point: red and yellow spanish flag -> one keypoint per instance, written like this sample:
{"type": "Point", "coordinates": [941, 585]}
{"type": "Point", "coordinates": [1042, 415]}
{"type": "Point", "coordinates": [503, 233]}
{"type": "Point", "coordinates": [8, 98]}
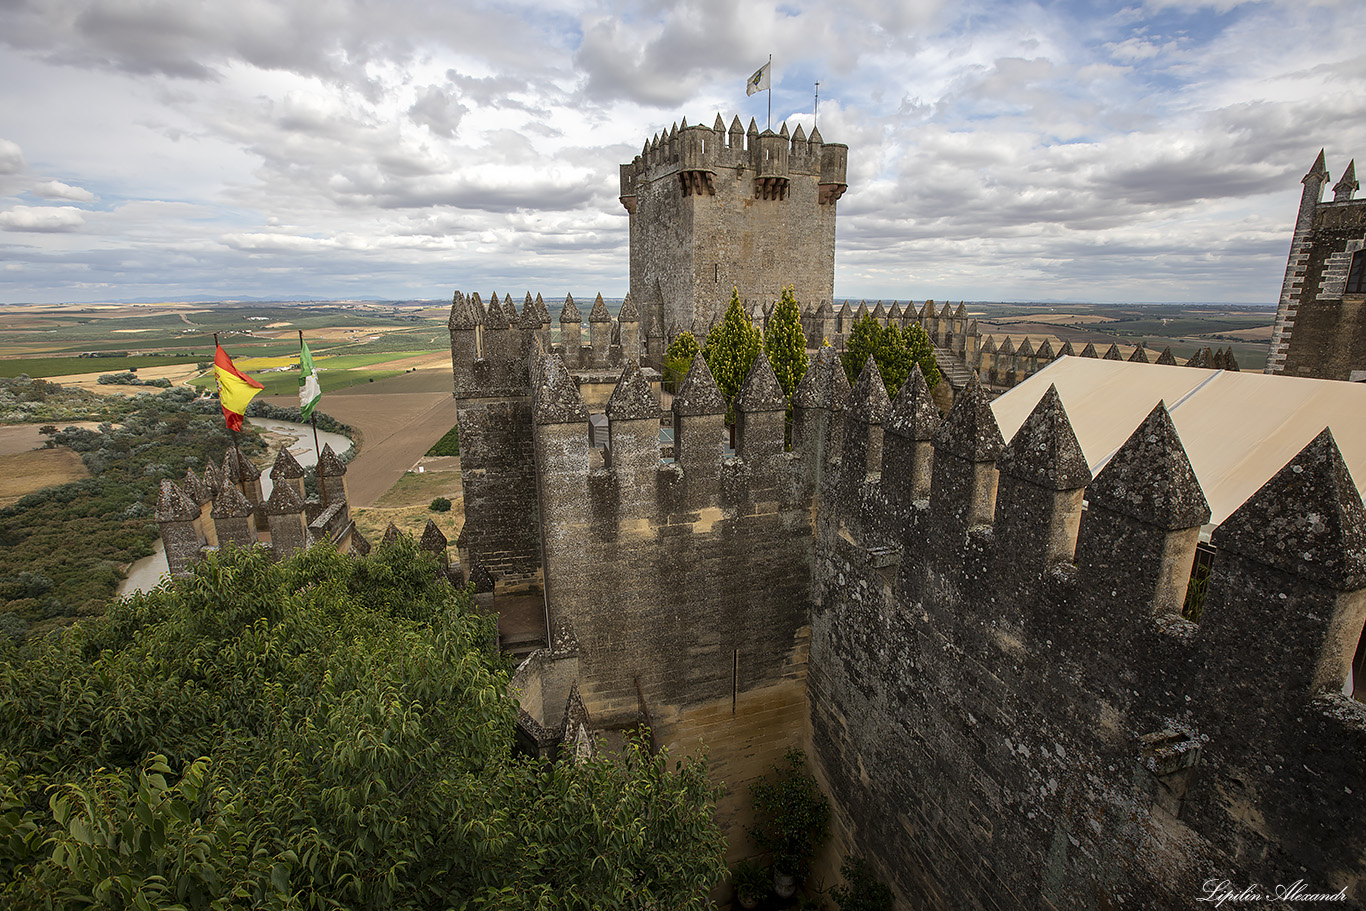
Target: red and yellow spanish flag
{"type": "Point", "coordinates": [235, 390]}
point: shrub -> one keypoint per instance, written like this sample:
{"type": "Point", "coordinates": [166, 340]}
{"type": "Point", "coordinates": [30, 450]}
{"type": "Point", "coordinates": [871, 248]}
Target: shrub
{"type": "Point", "coordinates": [440, 504]}
{"type": "Point", "coordinates": [785, 343]}
{"type": "Point", "coordinates": [793, 816]}
{"type": "Point", "coordinates": [750, 881]}
{"type": "Point", "coordinates": [730, 351]}
{"type": "Point", "coordinates": [861, 891]}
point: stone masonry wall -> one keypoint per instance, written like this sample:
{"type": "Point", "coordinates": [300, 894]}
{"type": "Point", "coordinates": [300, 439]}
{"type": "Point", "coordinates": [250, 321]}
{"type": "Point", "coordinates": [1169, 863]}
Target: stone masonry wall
{"type": "Point", "coordinates": [683, 583]}
{"type": "Point", "coordinates": [497, 475]}
{"type": "Point", "coordinates": [1015, 715]}
{"type": "Point", "coordinates": [712, 210]}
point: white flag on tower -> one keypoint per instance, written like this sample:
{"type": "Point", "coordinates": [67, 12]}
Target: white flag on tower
{"type": "Point", "coordinates": [759, 81]}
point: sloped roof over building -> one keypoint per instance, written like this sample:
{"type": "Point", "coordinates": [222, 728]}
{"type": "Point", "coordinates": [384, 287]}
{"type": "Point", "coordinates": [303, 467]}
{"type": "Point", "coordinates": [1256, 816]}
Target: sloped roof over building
{"type": "Point", "coordinates": [1238, 428]}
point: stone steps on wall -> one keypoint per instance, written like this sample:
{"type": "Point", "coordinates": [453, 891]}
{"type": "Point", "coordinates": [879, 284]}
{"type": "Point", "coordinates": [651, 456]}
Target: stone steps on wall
{"type": "Point", "coordinates": [952, 368]}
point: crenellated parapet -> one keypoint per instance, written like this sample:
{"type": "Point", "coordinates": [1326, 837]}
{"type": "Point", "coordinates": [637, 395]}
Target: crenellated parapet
{"type": "Point", "coordinates": [494, 355]}
{"type": "Point", "coordinates": [691, 157]}
{"type": "Point", "coordinates": [213, 511]}
{"type": "Point", "coordinates": [1005, 633]}
{"type": "Point", "coordinates": [492, 345]}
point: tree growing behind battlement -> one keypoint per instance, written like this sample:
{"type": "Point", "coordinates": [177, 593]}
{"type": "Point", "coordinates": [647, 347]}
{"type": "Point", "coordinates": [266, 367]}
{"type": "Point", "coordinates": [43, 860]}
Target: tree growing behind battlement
{"type": "Point", "coordinates": [321, 732]}
{"type": "Point", "coordinates": [785, 343]}
{"type": "Point", "coordinates": [730, 350]}
{"type": "Point", "coordinates": [678, 358]}
{"type": "Point", "coordinates": [895, 351]}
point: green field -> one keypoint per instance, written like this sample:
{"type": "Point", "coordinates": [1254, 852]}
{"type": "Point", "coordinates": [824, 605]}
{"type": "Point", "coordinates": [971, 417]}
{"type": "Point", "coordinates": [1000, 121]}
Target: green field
{"type": "Point", "coordinates": [37, 367]}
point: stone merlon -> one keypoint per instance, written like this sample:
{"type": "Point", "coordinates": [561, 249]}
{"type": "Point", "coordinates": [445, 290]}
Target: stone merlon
{"type": "Point", "coordinates": [1150, 478]}
{"type": "Point", "coordinates": [1307, 520]}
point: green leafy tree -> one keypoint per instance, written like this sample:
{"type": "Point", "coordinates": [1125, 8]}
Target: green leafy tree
{"type": "Point", "coordinates": [731, 348]}
{"type": "Point", "coordinates": [679, 356]}
{"type": "Point", "coordinates": [322, 732]}
{"type": "Point", "coordinates": [893, 349]}
{"type": "Point", "coordinates": [792, 815]}
{"type": "Point", "coordinates": [785, 343]}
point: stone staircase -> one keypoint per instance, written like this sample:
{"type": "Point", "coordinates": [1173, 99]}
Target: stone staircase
{"type": "Point", "coordinates": [952, 368]}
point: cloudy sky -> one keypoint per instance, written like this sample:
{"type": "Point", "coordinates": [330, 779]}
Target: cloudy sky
{"type": "Point", "coordinates": [168, 149]}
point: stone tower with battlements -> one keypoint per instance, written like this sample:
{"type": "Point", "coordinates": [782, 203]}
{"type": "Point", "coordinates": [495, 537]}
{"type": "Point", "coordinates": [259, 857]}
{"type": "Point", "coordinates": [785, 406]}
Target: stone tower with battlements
{"type": "Point", "coordinates": [714, 209]}
{"type": "Point", "coordinates": [1320, 328]}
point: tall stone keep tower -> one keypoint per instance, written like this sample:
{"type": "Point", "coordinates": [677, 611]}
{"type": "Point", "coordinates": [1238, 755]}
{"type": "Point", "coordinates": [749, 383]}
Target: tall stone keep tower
{"type": "Point", "coordinates": [1320, 328]}
{"type": "Point", "coordinates": [714, 209]}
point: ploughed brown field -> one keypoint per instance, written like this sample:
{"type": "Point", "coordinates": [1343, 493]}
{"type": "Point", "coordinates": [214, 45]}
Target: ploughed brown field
{"type": "Point", "coordinates": [27, 472]}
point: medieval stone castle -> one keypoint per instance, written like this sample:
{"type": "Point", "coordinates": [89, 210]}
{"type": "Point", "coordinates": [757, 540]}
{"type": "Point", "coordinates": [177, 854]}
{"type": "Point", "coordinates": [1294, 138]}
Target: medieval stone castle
{"type": "Point", "coordinates": [1320, 328]}
{"type": "Point", "coordinates": [979, 645]}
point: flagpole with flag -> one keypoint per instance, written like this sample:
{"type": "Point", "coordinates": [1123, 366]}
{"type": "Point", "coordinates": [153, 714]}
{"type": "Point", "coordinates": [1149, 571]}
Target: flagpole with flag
{"type": "Point", "coordinates": [310, 393]}
{"type": "Point", "coordinates": [762, 81]}
{"type": "Point", "coordinates": [235, 391]}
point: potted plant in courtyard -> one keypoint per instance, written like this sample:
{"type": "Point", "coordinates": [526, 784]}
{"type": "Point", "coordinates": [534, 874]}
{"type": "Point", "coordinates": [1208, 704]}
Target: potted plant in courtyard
{"type": "Point", "coordinates": [750, 882]}
{"type": "Point", "coordinates": [792, 820]}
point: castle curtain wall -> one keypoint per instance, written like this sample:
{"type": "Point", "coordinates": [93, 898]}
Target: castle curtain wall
{"type": "Point", "coordinates": [1003, 728]}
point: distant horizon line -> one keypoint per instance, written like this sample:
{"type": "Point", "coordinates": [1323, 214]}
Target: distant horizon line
{"type": "Point", "coordinates": [442, 302]}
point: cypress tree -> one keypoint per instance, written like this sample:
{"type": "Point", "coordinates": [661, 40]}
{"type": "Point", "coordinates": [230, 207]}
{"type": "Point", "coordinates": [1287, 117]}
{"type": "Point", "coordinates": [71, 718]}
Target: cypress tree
{"type": "Point", "coordinates": [730, 350]}
{"type": "Point", "coordinates": [785, 343]}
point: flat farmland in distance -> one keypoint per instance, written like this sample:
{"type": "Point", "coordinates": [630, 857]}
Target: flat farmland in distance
{"type": "Point", "coordinates": [353, 343]}
{"type": "Point", "coordinates": [1244, 329]}
{"type": "Point", "coordinates": [43, 367]}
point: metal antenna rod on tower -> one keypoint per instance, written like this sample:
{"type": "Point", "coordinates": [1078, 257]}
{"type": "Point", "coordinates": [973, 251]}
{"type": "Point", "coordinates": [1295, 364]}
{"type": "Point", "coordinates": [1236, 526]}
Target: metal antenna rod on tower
{"type": "Point", "coordinates": [816, 114]}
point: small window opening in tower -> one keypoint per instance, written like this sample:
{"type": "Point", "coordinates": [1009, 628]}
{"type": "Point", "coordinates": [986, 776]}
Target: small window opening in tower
{"type": "Point", "coordinates": [717, 276]}
{"type": "Point", "coordinates": [1356, 275]}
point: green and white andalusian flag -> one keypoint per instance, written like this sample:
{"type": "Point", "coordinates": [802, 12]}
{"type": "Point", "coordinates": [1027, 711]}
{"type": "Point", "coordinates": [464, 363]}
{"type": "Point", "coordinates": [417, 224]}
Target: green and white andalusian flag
{"type": "Point", "coordinates": [309, 390]}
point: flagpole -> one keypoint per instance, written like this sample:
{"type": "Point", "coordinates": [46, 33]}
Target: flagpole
{"type": "Point", "coordinates": [313, 419]}
{"type": "Point", "coordinates": [770, 91]}
{"type": "Point", "coordinates": [317, 447]}
{"type": "Point", "coordinates": [816, 115]}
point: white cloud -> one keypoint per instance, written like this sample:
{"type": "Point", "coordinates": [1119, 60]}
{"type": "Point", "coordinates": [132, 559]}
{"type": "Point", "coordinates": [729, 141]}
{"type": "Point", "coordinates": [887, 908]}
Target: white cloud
{"type": "Point", "coordinates": [55, 189]}
{"type": "Point", "coordinates": [43, 219]}
{"type": "Point", "coordinates": [275, 147]}
{"type": "Point", "coordinates": [11, 158]}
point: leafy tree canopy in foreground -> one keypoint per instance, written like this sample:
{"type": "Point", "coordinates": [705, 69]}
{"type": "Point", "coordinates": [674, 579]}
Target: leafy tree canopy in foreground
{"type": "Point", "coordinates": [319, 733]}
